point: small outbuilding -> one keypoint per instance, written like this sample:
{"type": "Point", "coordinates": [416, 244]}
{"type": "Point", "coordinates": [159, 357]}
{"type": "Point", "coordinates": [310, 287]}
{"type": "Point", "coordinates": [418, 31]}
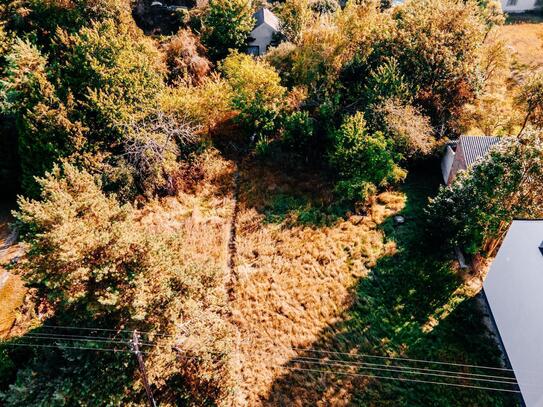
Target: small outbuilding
{"type": "Point", "coordinates": [464, 152]}
{"type": "Point", "coordinates": [513, 291]}
{"type": "Point", "coordinates": [264, 33]}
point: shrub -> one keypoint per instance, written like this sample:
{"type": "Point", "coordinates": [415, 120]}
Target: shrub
{"type": "Point", "coordinates": [185, 59]}
{"type": "Point", "coordinates": [226, 26]}
{"type": "Point", "coordinates": [361, 156]}
{"type": "Point", "coordinates": [257, 93]}
{"type": "Point", "coordinates": [95, 264]}
{"type": "Point", "coordinates": [475, 211]}
{"type": "Point", "coordinates": [298, 132]}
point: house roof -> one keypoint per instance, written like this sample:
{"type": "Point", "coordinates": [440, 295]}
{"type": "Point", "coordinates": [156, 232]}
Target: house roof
{"type": "Point", "coordinates": [513, 290]}
{"type": "Point", "coordinates": [476, 146]}
{"type": "Point", "coordinates": [265, 16]}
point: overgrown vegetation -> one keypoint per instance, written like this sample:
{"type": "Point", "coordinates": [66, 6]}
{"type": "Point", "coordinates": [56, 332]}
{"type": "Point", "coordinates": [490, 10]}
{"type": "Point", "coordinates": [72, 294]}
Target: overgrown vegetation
{"type": "Point", "coordinates": [126, 147]}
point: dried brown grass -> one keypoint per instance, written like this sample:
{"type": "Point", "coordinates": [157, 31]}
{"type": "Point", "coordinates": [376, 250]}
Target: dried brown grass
{"type": "Point", "coordinates": [12, 289]}
{"type": "Point", "coordinates": [295, 282]}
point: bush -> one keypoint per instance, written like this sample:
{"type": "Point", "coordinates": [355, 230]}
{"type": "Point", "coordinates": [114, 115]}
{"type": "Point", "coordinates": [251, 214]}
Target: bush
{"type": "Point", "coordinates": [226, 26]}
{"type": "Point", "coordinates": [257, 94]}
{"type": "Point", "coordinates": [475, 211]}
{"type": "Point", "coordinates": [94, 263]}
{"type": "Point", "coordinates": [363, 157]}
{"type": "Point", "coordinates": [185, 59]}
{"type": "Point", "coordinates": [298, 132]}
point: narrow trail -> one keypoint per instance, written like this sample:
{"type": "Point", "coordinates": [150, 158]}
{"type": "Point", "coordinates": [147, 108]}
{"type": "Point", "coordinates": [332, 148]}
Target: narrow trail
{"type": "Point", "coordinates": [232, 274]}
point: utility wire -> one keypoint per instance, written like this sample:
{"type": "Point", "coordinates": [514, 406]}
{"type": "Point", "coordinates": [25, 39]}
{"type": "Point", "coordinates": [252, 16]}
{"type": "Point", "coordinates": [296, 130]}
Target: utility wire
{"type": "Point", "coordinates": [403, 379]}
{"type": "Point", "coordinates": [374, 366]}
{"type": "Point", "coordinates": [358, 355]}
{"type": "Point", "coordinates": [392, 369]}
{"type": "Point", "coordinates": [331, 363]}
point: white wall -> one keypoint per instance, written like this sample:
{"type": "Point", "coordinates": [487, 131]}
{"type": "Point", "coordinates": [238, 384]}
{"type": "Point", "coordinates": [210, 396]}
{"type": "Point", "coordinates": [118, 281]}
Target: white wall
{"type": "Point", "coordinates": [446, 163]}
{"type": "Point", "coordinates": [520, 6]}
{"type": "Point", "coordinates": [263, 35]}
{"type": "Point", "coordinates": [514, 289]}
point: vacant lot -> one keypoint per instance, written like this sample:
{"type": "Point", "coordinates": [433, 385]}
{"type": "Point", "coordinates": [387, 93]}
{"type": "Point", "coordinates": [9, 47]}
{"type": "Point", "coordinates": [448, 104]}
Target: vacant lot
{"type": "Point", "coordinates": [526, 42]}
{"type": "Point", "coordinates": [314, 279]}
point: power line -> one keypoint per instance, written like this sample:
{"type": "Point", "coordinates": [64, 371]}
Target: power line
{"type": "Point", "coordinates": [359, 355]}
{"type": "Point", "coordinates": [403, 379]}
{"type": "Point", "coordinates": [373, 366]}
{"type": "Point", "coordinates": [392, 369]}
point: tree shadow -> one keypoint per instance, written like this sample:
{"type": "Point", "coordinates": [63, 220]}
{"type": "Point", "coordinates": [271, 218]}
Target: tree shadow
{"type": "Point", "coordinates": [288, 192]}
{"type": "Point", "coordinates": [408, 306]}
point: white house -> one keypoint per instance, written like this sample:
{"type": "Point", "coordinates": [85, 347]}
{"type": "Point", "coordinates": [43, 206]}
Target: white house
{"type": "Point", "coordinates": [267, 25]}
{"type": "Point", "coordinates": [519, 6]}
{"type": "Point", "coordinates": [513, 289]}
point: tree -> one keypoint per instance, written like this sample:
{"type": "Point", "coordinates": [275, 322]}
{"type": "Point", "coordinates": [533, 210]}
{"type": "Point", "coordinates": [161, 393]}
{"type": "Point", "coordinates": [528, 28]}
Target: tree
{"type": "Point", "coordinates": [410, 132]}
{"type": "Point", "coordinates": [226, 26]}
{"type": "Point", "coordinates": [295, 16]}
{"type": "Point", "coordinates": [438, 44]}
{"type": "Point", "coordinates": [475, 211]}
{"type": "Point", "coordinates": [185, 59]}
{"type": "Point", "coordinates": [530, 100]}
{"type": "Point", "coordinates": [257, 93]}
{"type": "Point", "coordinates": [45, 130]}
{"type": "Point", "coordinates": [96, 265]}
{"type": "Point", "coordinates": [362, 158]}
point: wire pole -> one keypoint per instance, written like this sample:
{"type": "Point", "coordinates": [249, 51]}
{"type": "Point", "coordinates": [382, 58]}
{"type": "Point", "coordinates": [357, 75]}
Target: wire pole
{"type": "Point", "coordinates": [135, 343]}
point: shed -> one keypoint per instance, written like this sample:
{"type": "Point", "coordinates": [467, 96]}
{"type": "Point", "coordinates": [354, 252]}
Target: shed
{"type": "Point", "coordinates": [513, 290]}
{"type": "Point", "coordinates": [463, 153]}
{"type": "Point", "coordinates": [266, 27]}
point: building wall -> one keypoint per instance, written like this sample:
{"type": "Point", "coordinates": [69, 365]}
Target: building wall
{"type": "Point", "coordinates": [263, 36]}
{"type": "Point", "coordinates": [518, 6]}
{"type": "Point", "coordinates": [446, 163]}
{"type": "Point", "coordinates": [459, 163]}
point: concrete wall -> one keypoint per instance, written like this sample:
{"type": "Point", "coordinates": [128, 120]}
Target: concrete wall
{"type": "Point", "coordinates": [263, 36]}
{"type": "Point", "coordinates": [518, 6]}
{"type": "Point", "coordinates": [459, 163]}
{"type": "Point", "coordinates": [446, 163]}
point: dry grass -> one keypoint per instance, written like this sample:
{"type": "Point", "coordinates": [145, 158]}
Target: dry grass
{"type": "Point", "coordinates": [526, 42]}
{"type": "Point", "coordinates": [296, 280]}
{"type": "Point", "coordinates": [200, 212]}
{"type": "Point", "coordinates": [12, 289]}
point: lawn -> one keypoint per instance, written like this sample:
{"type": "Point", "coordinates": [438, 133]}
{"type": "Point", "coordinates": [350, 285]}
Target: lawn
{"type": "Point", "coordinates": [315, 283]}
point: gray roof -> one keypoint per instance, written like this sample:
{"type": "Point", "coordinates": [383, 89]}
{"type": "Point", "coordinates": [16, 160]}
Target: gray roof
{"type": "Point", "coordinates": [265, 16]}
{"type": "Point", "coordinates": [513, 289]}
{"type": "Point", "coordinates": [476, 146]}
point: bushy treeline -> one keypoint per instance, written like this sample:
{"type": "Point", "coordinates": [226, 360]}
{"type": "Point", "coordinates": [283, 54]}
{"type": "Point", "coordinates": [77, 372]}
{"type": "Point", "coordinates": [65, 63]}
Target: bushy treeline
{"type": "Point", "coordinates": [475, 212]}
{"type": "Point", "coordinates": [104, 114]}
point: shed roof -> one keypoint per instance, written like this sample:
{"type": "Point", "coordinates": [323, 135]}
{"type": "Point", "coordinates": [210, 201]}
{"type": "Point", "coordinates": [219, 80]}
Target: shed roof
{"type": "Point", "coordinates": [513, 289]}
{"type": "Point", "coordinates": [265, 16]}
{"type": "Point", "coordinates": [476, 146]}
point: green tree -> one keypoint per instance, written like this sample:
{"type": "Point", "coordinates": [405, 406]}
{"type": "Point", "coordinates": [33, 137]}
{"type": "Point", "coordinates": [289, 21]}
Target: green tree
{"type": "Point", "coordinates": [257, 93]}
{"type": "Point", "coordinates": [45, 131]}
{"type": "Point", "coordinates": [438, 45]}
{"type": "Point", "coordinates": [96, 265]}
{"type": "Point", "coordinates": [475, 211]}
{"type": "Point", "coordinates": [226, 26]}
{"type": "Point", "coordinates": [362, 158]}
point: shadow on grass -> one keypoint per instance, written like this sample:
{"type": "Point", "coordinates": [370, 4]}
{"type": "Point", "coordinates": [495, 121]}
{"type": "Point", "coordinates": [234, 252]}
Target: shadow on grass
{"type": "Point", "coordinates": [406, 307]}
{"type": "Point", "coordinates": [289, 193]}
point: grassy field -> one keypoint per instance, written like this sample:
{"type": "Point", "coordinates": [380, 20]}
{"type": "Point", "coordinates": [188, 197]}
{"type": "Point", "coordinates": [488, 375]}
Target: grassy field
{"type": "Point", "coordinates": [525, 40]}
{"type": "Point", "coordinates": [312, 281]}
